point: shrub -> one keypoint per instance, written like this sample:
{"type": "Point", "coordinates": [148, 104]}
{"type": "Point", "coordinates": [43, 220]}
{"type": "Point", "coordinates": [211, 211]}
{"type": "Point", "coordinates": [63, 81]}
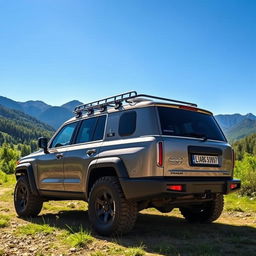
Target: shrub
{"type": "Point", "coordinates": [246, 171]}
{"type": "Point", "coordinates": [8, 158]}
{"type": "Point", "coordinates": [3, 177]}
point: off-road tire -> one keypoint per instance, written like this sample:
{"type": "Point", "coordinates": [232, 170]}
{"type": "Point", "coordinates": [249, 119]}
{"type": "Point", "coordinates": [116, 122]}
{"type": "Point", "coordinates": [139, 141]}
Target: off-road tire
{"type": "Point", "coordinates": [206, 213]}
{"type": "Point", "coordinates": [26, 204]}
{"type": "Point", "coordinates": [121, 215]}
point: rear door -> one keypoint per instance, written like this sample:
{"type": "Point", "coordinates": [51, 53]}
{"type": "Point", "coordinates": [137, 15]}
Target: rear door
{"type": "Point", "coordinates": [85, 149]}
{"type": "Point", "coordinates": [194, 144]}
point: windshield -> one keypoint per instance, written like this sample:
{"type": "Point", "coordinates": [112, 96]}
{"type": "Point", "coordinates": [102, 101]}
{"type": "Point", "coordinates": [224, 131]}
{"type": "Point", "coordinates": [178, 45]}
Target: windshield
{"type": "Point", "coordinates": [180, 122]}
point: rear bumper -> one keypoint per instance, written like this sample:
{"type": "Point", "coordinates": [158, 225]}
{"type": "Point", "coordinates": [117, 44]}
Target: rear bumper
{"type": "Point", "coordinates": [142, 188]}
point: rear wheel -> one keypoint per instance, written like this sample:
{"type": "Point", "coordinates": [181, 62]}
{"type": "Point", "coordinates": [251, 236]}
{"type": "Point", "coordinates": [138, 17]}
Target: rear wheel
{"type": "Point", "coordinates": [205, 213]}
{"type": "Point", "coordinates": [26, 204]}
{"type": "Point", "coordinates": [109, 211]}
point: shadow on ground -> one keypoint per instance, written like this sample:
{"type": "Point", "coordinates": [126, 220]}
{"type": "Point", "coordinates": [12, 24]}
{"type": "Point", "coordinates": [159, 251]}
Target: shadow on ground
{"type": "Point", "coordinates": [168, 235]}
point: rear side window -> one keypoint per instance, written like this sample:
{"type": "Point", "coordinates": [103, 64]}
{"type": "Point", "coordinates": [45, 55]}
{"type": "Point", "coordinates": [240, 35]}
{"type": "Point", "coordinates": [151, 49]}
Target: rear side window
{"type": "Point", "coordinates": [100, 127]}
{"type": "Point", "coordinates": [91, 129]}
{"type": "Point", "coordinates": [180, 122]}
{"type": "Point", "coordinates": [127, 123]}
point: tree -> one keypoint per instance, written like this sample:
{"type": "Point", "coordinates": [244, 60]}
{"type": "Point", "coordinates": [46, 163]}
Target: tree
{"type": "Point", "coordinates": [8, 158]}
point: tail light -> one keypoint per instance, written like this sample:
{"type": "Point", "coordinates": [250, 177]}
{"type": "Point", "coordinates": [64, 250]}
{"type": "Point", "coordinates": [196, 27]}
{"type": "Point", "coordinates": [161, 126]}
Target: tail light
{"type": "Point", "coordinates": [175, 187]}
{"type": "Point", "coordinates": [159, 154]}
{"type": "Point", "coordinates": [233, 186]}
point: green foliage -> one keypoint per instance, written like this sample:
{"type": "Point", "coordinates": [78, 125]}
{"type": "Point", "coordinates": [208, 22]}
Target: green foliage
{"type": "Point", "coordinates": [80, 239]}
{"type": "Point", "coordinates": [8, 158]}
{"type": "Point", "coordinates": [3, 177]}
{"type": "Point", "coordinates": [245, 169]}
{"type": "Point", "coordinates": [246, 145]}
{"type": "Point", "coordinates": [4, 221]}
{"type": "Point", "coordinates": [32, 229]}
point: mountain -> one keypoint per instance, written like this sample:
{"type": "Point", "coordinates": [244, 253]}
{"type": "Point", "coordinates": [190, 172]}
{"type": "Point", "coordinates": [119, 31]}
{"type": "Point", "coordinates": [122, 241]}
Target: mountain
{"type": "Point", "coordinates": [33, 108]}
{"type": "Point", "coordinates": [237, 126]}
{"type": "Point", "coordinates": [71, 105]}
{"type": "Point", "coordinates": [18, 127]}
{"type": "Point", "coordinates": [55, 116]}
{"type": "Point", "coordinates": [48, 114]}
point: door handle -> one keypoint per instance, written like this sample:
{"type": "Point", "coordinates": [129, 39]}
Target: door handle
{"type": "Point", "coordinates": [90, 152]}
{"type": "Point", "coordinates": [59, 155]}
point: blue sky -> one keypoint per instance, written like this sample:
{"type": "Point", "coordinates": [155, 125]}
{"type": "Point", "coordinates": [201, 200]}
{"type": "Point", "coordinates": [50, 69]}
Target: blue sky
{"type": "Point", "coordinates": [195, 50]}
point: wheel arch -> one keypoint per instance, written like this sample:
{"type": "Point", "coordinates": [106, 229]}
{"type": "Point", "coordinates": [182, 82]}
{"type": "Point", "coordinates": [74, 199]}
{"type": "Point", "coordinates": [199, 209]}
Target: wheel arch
{"type": "Point", "coordinates": [110, 166]}
{"type": "Point", "coordinates": [26, 169]}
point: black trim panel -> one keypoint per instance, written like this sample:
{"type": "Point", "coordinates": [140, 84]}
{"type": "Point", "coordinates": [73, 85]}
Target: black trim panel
{"type": "Point", "coordinates": [137, 189]}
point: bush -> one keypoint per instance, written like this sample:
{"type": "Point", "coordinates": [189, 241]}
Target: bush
{"type": "Point", "coordinates": [3, 178]}
{"type": "Point", "coordinates": [8, 158]}
{"type": "Point", "coordinates": [246, 171]}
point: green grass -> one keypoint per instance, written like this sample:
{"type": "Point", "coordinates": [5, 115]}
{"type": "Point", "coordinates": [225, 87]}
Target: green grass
{"type": "Point", "coordinates": [4, 221]}
{"type": "Point", "coordinates": [80, 239]}
{"type": "Point", "coordinates": [32, 229]}
{"type": "Point", "coordinates": [118, 250]}
{"type": "Point", "coordinates": [135, 251]}
{"type": "Point", "coordinates": [1, 252]}
{"type": "Point", "coordinates": [3, 178]}
{"type": "Point", "coordinates": [234, 202]}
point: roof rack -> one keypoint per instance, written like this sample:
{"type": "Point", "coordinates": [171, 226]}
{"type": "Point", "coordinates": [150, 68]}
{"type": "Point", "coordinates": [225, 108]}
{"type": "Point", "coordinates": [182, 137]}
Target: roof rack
{"type": "Point", "coordinates": [117, 102]}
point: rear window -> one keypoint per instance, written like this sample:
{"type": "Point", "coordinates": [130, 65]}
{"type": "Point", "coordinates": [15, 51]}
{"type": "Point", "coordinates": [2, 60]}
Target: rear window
{"type": "Point", "coordinates": [180, 122]}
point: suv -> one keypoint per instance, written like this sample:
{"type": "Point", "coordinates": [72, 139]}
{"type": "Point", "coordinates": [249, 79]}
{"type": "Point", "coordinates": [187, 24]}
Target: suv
{"type": "Point", "coordinates": [127, 153]}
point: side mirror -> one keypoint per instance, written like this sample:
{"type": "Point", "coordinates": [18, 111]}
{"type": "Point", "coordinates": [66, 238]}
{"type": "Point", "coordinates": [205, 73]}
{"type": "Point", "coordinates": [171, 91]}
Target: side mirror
{"type": "Point", "coordinates": [43, 143]}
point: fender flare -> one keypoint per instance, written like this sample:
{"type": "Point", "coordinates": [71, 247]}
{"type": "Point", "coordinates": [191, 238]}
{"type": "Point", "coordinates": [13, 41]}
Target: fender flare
{"type": "Point", "coordinates": [28, 170]}
{"type": "Point", "coordinates": [107, 162]}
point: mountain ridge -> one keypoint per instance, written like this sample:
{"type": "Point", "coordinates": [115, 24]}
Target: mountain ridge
{"type": "Point", "coordinates": [235, 126]}
{"type": "Point", "coordinates": [51, 115]}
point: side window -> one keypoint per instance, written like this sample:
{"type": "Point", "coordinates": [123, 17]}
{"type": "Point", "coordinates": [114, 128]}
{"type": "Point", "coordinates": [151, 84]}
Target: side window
{"type": "Point", "coordinates": [127, 123]}
{"type": "Point", "coordinates": [99, 132]}
{"type": "Point", "coordinates": [64, 136]}
{"type": "Point", "coordinates": [86, 130]}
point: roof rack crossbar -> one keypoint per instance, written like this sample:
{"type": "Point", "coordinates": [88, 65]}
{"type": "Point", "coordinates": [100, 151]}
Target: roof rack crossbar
{"type": "Point", "coordinates": [166, 99]}
{"type": "Point", "coordinates": [117, 101]}
{"type": "Point", "coordinates": [105, 102]}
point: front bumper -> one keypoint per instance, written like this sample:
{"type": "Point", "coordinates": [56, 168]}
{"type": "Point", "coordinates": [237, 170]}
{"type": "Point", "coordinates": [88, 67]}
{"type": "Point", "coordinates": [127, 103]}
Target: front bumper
{"type": "Point", "coordinates": [142, 188]}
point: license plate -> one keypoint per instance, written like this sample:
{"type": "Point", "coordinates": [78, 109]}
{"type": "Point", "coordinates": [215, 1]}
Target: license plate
{"type": "Point", "coordinates": [203, 159]}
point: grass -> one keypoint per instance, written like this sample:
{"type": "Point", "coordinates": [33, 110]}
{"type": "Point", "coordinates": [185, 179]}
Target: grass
{"type": "Point", "coordinates": [4, 221]}
{"type": "Point", "coordinates": [118, 250]}
{"type": "Point", "coordinates": [80, 239]}
{"type": "Point", "coordinates": [3, 178]}
{"type": "Point", "coordinates": [135, 251]}
{"type": "Point", "coordinates": [236, 203]}
{"type": "Point", "coordinates": [1, 252]}
{"type": "Point", "coordinates": [32, 229]}
{"type": "Point", "coordinates": [161, 234]}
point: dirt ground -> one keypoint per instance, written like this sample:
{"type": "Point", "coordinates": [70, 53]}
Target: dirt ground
{"type": "Point", "coordinates": [234, 233]}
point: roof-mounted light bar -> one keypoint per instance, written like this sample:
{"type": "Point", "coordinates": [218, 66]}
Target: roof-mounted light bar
{"type": "Point", "coordinates": [117, 102]}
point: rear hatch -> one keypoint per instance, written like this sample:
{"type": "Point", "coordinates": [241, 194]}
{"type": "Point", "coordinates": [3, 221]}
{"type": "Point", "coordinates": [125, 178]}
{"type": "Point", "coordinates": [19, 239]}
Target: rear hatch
{"type": "Point", "coordinates": [193, 143]}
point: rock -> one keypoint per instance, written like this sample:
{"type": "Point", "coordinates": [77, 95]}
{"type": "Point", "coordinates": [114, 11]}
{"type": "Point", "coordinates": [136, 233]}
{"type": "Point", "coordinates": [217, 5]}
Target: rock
{"type": "Point", "coordinates": [71, 205]}
{"type": "Point", "coordinates": [72, 249]}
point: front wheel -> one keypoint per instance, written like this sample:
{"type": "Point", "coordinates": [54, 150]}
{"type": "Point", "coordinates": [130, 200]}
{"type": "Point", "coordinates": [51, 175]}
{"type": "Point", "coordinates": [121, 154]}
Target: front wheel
{"type": "Point", "coordinates": [26, 204]}
{"type": "Point", "coordinates": [205, 213]}
{"type": "Point", "coordinates": [109, 211]}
